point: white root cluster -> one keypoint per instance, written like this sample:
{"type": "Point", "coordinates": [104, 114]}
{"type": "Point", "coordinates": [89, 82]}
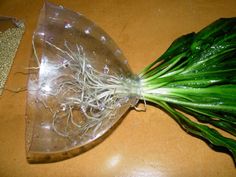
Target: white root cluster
{"type": "Point", "coordinates": [96, 95]}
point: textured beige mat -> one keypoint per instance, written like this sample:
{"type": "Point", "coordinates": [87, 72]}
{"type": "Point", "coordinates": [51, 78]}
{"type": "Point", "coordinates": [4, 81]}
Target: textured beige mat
{"type": "Point", "coordinates": [9, 41]}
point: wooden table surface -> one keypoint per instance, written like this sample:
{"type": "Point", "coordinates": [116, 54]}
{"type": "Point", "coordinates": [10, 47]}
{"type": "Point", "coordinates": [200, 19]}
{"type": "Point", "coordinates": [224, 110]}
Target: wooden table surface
{"type": "Point", "coordinates": [145, 144]}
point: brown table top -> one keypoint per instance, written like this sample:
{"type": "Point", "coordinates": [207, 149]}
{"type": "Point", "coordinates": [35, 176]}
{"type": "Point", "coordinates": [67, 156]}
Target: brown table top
{"type": "Point", "coordinates": [145, 143]}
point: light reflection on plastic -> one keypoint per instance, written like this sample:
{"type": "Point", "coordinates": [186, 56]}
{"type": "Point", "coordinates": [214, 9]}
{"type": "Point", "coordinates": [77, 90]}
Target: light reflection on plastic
{"type": "Point", "coordinates": [47, 71]}
{"type": "Point", "coordinates": [44, 68]}
{"type": "Point", "coordinates": [46, 88]}
{"type": "Point", "coordinates": [48, 127]}
{"type": "Point", "coordinates": [56, 14]}
{"type": "Point", "coordinates": [103, 39]}
{"type": "Point", "coordinates": [87, 31]}
{"type": "Point", "coordinates": [117, 52]}
{"type": "Point", "coordinates": [41, 34]}
{"type": "Point", "coordinates": [67, 26]}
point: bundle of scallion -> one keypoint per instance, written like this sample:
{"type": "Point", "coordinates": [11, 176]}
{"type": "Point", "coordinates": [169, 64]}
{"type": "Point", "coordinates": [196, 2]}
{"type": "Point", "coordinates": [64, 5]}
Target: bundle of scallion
{"type": "Point", "coordinates": [197, 75]}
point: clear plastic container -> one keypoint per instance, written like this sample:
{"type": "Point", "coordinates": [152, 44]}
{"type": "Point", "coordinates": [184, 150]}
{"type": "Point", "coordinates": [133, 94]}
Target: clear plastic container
{"type": "Point", "coordinates": [79, 88]}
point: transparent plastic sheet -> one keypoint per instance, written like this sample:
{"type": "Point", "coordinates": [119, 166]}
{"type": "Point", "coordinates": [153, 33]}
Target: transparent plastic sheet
{"type": "Point", "coordinates": [81, 85]}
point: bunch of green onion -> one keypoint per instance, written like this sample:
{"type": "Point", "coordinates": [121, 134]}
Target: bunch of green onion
{"type": "Point", "coordinates": [197, 75]}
